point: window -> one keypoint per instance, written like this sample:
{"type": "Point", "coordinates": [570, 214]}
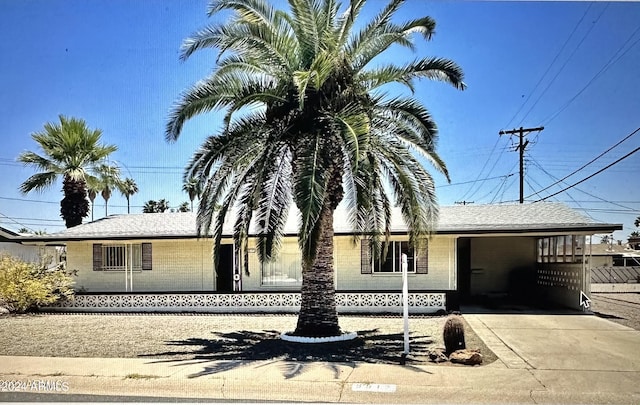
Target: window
{"type": "Point", "coordinates": [392, 263]}
{"type": "Point", "coordinates": [286, 269]}
{"type": "Point", "coordinates": [561, 249]}
{"type": "Point", "coordinates": [121, 257]}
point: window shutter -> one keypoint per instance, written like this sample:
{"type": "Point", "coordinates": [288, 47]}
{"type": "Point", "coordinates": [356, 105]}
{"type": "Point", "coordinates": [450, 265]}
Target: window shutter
{"type": "Point", "coordinates": [146, 256]}
{"type": "Point", "coordinates": [365, 256]}
{"type": "Point", "coordinates": [422, 259]}
{"type": "Point", "coordinates": [97, 257]}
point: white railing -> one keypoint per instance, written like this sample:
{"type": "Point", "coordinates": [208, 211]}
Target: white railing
{"type": "Point", "coordinates": [357, 302]}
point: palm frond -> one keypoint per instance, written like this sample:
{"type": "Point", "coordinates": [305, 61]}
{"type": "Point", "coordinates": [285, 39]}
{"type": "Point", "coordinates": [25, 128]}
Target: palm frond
{"type": "Point", "coordinates": [310, 184]}
{"type": "Point", "coordinates": [273, 206]}
{"type": "Point", "coordinates": [38, 182]}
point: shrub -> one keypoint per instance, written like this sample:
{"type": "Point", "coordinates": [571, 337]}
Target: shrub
{"type": "Point", "coordinates": [27, 286]}
{"type": "Point", "coordinates": [453, 334]}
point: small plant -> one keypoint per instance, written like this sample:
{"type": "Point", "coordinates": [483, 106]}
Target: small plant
{"type": "Point", "coordinates": [136, 376]}
{"type": "Point", "coordinates": [26, 286]}
{"type": "Point", "coordinates": [453, 334]}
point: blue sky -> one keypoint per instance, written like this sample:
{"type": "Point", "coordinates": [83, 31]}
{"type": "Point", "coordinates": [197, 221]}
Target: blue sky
{"type": "Point", "coordinates": [115, 64]}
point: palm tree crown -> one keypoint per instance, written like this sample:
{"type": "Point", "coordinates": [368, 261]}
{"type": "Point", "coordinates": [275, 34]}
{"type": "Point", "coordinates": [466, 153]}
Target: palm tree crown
{"type": "Point", "coordinates": [192, 187]}
{"type": "Point", "coordinates": [128, 187]}
{"type": "Point", "coordinates": [71, 150]}
{"type": "Point", "coordinates": [325, 131]}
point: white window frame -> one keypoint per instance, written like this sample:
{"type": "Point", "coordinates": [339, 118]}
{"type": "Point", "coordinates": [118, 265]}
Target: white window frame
{"type": "Point", "coordinates": [395, 253]}
{"type": "Point", "coordinates": [122, 257]}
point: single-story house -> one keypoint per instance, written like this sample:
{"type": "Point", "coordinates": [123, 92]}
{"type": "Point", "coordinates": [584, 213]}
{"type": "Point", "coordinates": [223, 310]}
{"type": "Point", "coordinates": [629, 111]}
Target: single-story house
{"type": "Point", "coordinates": [10, 245]}
{"type": "Point", "coordinates": [615, 267]}
{"type": "Point", "coordinates": [156, 262]}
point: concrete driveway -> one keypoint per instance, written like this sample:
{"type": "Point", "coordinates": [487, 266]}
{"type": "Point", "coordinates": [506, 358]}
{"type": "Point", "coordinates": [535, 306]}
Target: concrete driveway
{"type": "Point", "coordinates": [562, 351]}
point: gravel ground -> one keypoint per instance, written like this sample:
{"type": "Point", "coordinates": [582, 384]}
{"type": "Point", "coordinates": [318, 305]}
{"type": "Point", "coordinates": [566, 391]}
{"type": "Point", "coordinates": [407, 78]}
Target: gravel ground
{"type": "Point", "coordinates": [623, 308]}
{"type": "Point", "coordinates": [221, 337]}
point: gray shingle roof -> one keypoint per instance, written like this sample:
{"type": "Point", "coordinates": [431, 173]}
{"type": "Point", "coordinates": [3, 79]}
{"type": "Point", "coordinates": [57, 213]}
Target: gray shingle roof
{"type": "Point", "coordinates": [462, 219]}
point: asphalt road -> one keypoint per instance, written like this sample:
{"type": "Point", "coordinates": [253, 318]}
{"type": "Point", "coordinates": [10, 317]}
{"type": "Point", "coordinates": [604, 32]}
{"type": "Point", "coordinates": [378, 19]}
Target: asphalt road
{"type": "Point", "coordinates": [623, 308]}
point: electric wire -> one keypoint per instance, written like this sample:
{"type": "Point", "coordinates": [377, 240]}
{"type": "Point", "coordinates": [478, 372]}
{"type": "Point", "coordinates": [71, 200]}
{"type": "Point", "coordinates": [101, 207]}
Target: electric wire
{"type": "Point", "coordinates": [592, 175]}
{"type": "Point", "coordinates": [588, 163]}
{"type": "Point", "coordinates": [564, 64]}
{"type": "Point", "coordinates": [575, 28]}
{"type": "Point", "coordinates": [603, 69]}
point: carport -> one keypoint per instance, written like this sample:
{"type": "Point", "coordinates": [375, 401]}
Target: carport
{"type": "Point", "coordinates": [531, 254]}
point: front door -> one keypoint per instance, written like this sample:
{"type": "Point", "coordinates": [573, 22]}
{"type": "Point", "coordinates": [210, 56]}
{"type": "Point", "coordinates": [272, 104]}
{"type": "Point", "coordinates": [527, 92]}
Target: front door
{"type": "Point", "coordinates": [224, 276]}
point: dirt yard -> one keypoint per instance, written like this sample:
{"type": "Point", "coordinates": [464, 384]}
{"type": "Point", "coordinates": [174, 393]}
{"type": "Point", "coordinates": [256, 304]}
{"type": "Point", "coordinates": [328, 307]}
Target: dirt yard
{"type": "Point", "coordinates": [623, 308]}
{"type": "Point", "coordinates": [222, 337]}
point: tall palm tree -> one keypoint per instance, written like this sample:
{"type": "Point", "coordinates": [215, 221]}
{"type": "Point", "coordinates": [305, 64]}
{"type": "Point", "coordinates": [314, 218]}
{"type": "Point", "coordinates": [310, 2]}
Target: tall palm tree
{"type": "Point", "coordinates": [192, 187]}
{"type": "Point", "coordinates": [326, 131]}
{"type": "Point", "coordinates": [93, 188]}
{"type": "Point", "coordinates": [70, 150]}
{"type": "Point", "coordinates": [108, 179]}
{"type": "Point", "coordinates": [127, 189]}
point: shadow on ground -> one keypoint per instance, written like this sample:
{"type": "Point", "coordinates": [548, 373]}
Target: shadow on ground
{"type": "Point", "coordinates": [233, 349]}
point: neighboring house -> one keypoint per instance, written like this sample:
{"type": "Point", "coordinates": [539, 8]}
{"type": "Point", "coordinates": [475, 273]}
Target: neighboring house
{"type": "Point", "coordinates": [155, 261]}
{"type": "Point", "coordinates": [613, 255]}
{"type": "Point", "coordinates": [9, 244]}
{"type": "Point", "coordinates": [615, 267]}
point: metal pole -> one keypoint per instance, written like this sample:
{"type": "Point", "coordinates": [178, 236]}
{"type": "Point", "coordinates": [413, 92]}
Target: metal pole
{"type": "Point", "coordinates": [405, 303]}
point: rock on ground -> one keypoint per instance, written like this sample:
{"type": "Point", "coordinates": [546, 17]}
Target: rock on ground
{"type": "Point", "coordinates": [466, 356]}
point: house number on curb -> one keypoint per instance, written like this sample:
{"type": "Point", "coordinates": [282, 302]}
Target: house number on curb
{"type": "Point", "coordinates": [373, 387]}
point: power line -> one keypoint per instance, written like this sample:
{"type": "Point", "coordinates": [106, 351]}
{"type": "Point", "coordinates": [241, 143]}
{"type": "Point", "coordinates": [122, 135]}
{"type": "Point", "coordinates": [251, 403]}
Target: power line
{"type": "Point", "coordinates": [564, 64]}
{"type": "Point", "coordinates": [592, 175]}
{"type": "Point", "coordinates": [473, 181]}
{"type": "Point", "coordinates": [14, 221]}
{"type": "Point", "coordinates": [502, 151]}
{"type": "Point", "coordinates": [550, 65]}
{"type": "Point", "coordinates": [553, 178]}
{"type": "Point", "coordinates": [603, 69]}
{"type": "Point", "coordinates": [588, 163]}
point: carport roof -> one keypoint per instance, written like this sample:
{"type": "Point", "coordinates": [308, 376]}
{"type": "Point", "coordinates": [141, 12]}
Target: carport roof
{"type": "Point", "coordinates": [462, 219]}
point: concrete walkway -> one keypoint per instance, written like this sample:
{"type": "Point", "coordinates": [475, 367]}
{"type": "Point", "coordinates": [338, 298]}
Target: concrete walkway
{"type": "Point", "coordinates": [542, 359]}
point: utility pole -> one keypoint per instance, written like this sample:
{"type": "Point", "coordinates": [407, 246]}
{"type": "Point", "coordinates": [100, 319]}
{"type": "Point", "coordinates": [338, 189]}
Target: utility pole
{"type": "Point", "coordinates": [521, 147]}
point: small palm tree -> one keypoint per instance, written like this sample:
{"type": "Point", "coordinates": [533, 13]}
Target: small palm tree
{"type": "Point", "coordinates": [192, 187]}
{"type": "Point", "coordinates": [128, 188]}
{"type": "Point", "coordinates": [149, 207]}
{"type": "Point", "coordinates": [72, 151]}
{"type": "Point", "coordinates": [184, 207]}
{"type": "Point", "coordinates": [153, 206]}
{"type": "Point", "coordinates": [326, 131]}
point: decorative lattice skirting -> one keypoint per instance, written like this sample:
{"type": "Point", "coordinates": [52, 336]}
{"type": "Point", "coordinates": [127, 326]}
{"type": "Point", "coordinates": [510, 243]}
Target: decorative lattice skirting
{"type": "Point", "coordinates": [419, 303]}
{"type": "Point", "coordinates": [568, 279]}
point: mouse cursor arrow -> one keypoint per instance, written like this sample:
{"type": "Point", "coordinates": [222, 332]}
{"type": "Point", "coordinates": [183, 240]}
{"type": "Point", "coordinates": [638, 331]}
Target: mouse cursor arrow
{"type": "Point", "coordinates": [584, 300]}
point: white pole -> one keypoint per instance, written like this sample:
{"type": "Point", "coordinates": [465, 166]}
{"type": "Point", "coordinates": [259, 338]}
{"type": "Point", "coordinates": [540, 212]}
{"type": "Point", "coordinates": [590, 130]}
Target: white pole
{"type": "Point", "coordinates": [130, 261]}
{"type": "Point", "coordinates": [405, 303]}
{"type": "Point", "coordinates": [126, 277]}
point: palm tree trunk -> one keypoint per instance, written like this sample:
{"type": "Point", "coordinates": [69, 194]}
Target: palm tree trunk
{"type": "Point", "coordinates": [74, 206]}
{"type": "Point", "coordinates": [128, 209]}
{"type": "Point", "coordinates": [318, 314]}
